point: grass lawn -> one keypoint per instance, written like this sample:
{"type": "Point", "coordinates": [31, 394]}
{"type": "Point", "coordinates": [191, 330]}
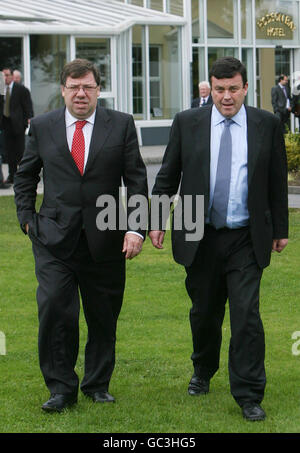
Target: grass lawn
{"type": "Point", "coordinates": [154, 346]}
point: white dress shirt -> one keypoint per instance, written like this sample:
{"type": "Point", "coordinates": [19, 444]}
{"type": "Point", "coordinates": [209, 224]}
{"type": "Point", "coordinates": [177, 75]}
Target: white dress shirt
{"type": "Point", "coordinates": [87, 132]}
{"type": "Point", "coordinates": [237, 214]}
{"type": "Point", "coordinates": [285, 93]}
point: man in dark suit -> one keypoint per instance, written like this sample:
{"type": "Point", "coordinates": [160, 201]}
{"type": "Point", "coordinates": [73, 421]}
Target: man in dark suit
{"type": "Point", "coordinates": [204, 95]}
{"type": "Point", "coordinates": [235, 157]}
{"type": "Point", "coordinates": [16, 115]}
{"type": "Point", "coordinates": [2, 184]}
{"type": "Point", "coordinates": [85, 151]}
{"type": "Point", "coordinates": [281, 101]}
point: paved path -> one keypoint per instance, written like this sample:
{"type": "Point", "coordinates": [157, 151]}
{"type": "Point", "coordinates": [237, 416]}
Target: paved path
{"type": "Point", "coordinates": [152, 156]}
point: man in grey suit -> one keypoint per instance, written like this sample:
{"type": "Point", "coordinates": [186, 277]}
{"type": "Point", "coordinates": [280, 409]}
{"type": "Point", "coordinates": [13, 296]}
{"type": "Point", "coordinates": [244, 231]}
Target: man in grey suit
{"type": "Point", "coordinates": [85, 152]}
{"type": "Point", "coordinates": [281, 101]}
{"type": "Point", "coordinates": [234, 156]}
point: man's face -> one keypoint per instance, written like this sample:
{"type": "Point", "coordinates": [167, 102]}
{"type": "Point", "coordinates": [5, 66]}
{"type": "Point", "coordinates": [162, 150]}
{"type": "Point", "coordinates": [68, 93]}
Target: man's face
{"type": "Point", "coordinates": [17, 76]}
{"type": "Point", "coordinates": [7, 76]}
{"type": "Point", "coordinates": [228, 94]}
{"type": "Point", "coordinates": [204, 91]}
{"type": "Point", "coordinates": [81, 95]}
{"type": "Point", "coordinates": [284, 81]}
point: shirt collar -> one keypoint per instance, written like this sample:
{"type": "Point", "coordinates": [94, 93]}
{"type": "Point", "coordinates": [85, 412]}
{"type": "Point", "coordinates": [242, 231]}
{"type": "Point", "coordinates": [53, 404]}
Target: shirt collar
{"type": "Point", "coordinates": [239, 118]}
{"type": "Point", "coordinates": [70, 119]}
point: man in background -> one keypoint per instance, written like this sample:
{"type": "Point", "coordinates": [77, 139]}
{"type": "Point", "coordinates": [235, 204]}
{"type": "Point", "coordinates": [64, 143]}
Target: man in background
{"type": "Point", "coordinates": [17, 112]}
{"type": "Point", "coordinates": [2, 183]}
{"type": "Point", "coordinates": [281, 101]}
{"type": "Point", "coordinates": [204, 95]}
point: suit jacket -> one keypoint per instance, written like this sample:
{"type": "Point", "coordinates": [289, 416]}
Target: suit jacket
{"type": "Point", "coordinates": [278, 99]}
{"type": "Point", "coordinates": [196, 102]}
{"type": "Point", "coordinates": [187, 161]}
{"type": "Point", "coordinates": [21, 109]}
{"type": "Point", "coordinates": [70, 200]}
{"type": "Point", "coordinates": [1, 109]}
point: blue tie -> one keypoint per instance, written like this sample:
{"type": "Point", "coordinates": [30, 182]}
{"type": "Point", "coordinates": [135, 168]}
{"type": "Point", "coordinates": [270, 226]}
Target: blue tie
{"type": "Point", "coordinates": [221, 193]}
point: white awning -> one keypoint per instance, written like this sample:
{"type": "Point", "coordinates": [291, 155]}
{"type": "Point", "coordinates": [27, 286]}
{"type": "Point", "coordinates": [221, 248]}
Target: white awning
{"type": "Point", "coordinates": [76, 17]}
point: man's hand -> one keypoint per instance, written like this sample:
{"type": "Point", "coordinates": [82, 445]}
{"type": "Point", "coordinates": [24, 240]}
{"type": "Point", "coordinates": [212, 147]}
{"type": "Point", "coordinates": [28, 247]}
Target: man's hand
{"type": "Point", "coordinates": [279, 244]}
{"type": "Point", "coordinates": [27, 228]}
{"type": "Point", "coordinates": [157, 238]}
{"type": "Point", "coordinates": [132, 245]}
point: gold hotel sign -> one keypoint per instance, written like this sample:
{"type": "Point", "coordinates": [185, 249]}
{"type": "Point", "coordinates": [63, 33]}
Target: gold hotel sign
{"type": "Point", "coordinates": [276, 25]}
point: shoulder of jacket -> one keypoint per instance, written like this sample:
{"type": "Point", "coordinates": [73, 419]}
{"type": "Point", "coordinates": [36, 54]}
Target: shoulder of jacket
{"type": "Point", "coordinates": [47, 116]}
{"type": "Point", "coordinates": [261, 114]}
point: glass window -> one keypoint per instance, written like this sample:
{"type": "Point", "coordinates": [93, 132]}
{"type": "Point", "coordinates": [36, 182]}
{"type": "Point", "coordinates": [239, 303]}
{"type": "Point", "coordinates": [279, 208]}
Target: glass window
{"type": "Point", "coordinates": [11, 53]}
{"type": "Point", "coordinates": [138, 73]}
{"type": "Point", "coordinates": [137, 2]}
{"type": "Point", "coordinates": [197, 22]}
{"type": "Point", "coordinates": [247, 60]}
{"type": "Point", "coordinates": [220, 19]}
{"type": "Point", "coordinates": [165, 85]}
{"type": "Point", "coordinates": [246, 18]}
{"type": "Point", "coordinates": [175, 7]}
{"type": "Point", "coordinates": [155, 4]}
{"type": "Point", "coordinates": [214, 53]}
{"type": "Point", "coordinates": [48, 56]}
{"type": "Point", "coordinates": [282, 63]}
{"type": "Point", "coordinates": [97, 50]}
{"type": "Point", "coordinates": [106, 102]}
{"type": "Point", "coordinates": [198, 70]}
{"type": "Point", "coordinates": [276, 21]}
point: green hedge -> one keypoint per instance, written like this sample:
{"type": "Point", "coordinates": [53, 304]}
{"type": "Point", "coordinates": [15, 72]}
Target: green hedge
{"type": "Point", "coordinates": [292, 143]}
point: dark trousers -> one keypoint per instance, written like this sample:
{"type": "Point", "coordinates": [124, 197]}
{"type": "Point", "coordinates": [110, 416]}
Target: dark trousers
{"type": "Point", "coordinates": [1, 173]}
{"type": "Point", "coordinates": [225, 267]}
{"type": "Point", "coordinates": [14, 145]}
{"type": "Point", "coordinates": [284, 119]}
{"type": "Point", "coordinates": [101, 287]}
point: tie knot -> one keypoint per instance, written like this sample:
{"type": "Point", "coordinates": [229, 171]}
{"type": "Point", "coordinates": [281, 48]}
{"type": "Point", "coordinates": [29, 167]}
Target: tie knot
{"type": "Point", "coordinates": [80, 124]}
{"type": "Point", "coordinates": [228, 122]}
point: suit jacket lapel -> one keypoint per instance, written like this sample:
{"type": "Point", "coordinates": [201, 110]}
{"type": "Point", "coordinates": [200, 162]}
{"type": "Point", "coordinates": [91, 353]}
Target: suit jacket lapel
{"type": "Point", "coordinates": [59, 136]}
{"type": "Point", "coordinates": [101, 130]}
{"type": "Point", "coordinates": [254, 136]}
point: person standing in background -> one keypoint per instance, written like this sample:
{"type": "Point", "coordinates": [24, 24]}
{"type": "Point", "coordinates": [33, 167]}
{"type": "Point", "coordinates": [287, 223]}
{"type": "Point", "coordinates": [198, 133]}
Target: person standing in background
{"type": "Point", "coordinates": [2, 184]}
{"type": "Point", "coordinates": [17, 112]}
{"type": "Point", "coordinates": [204, 95]}
{"type": "Point", "coordinates": [281, 101]}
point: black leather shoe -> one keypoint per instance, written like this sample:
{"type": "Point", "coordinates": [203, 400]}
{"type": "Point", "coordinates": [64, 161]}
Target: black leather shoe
{"type": "Point", "coordinates": [253, 412]}
{"type": "Point", "coordinates": [3, 185]}
{"type": "Point", "coordinates": [198, 386]}
{"type": "Point", "coordinates": [58, 402]}
{"type": "Point", "coordinates": [101, 397]}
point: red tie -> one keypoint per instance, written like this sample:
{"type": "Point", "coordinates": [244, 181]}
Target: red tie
{"type": "Point", "coordinates": [78, 146]}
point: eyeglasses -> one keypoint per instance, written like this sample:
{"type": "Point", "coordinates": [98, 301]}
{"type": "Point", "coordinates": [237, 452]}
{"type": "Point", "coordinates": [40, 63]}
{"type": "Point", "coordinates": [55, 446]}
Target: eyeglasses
{"type": "Point", "coordinates": [86, 88]}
